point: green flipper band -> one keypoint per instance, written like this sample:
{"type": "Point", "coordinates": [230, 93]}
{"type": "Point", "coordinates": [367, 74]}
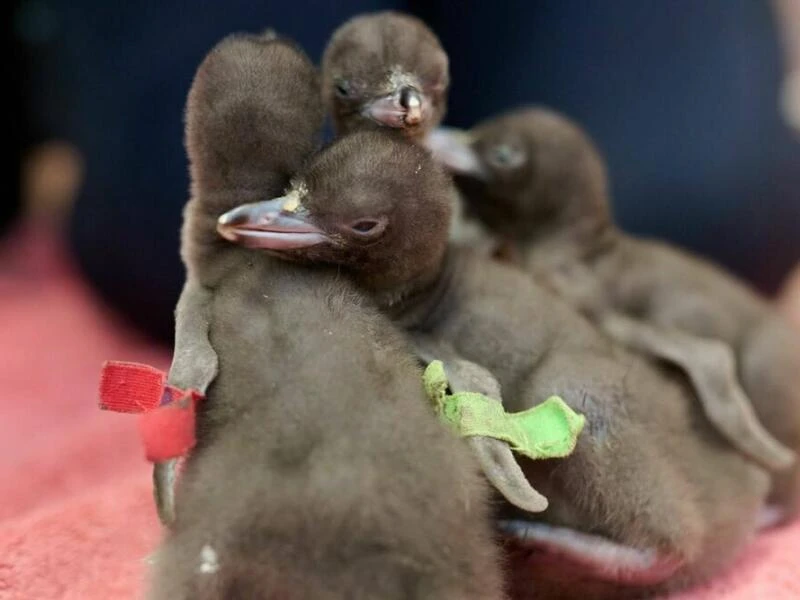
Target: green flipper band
{"type": "Point", "coordinates": [549, 430]}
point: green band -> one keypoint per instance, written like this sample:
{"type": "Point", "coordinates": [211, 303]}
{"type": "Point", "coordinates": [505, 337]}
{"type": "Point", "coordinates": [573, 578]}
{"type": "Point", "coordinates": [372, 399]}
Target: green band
{"type": "Point", "coordinates": [548, 430]}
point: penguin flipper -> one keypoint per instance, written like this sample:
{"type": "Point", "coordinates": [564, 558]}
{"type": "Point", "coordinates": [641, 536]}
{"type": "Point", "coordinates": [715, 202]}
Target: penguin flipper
{"type": "Point", "coordinates": [194, 360]}
{"type": "Point", "coordinates": [711, 367]}
{"type": "Point", "coordinates": [194, 366]}
{"type": "Point", "coordinates": [494, 456]}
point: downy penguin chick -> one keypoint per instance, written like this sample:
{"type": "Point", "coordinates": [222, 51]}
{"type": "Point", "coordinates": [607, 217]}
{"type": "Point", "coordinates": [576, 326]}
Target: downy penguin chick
{"type": "Point", "coordinates": [320, 471]}
{"type": "Point", "coordinates": [651, 499]}
{"type": "Point", "coordinates": [540, 184]}
{"type": "Point", "coordinates": [385, 69]}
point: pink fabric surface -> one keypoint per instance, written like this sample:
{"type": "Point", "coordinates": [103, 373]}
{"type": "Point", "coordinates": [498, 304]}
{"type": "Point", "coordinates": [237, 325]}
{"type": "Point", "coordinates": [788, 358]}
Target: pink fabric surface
{"type": "Point", "coordinates": [76, 515]}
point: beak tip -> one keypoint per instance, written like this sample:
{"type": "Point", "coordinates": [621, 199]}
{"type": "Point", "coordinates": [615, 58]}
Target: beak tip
{"type": "Point", "coordinates": [411, 100]}
{"type": "Point", "coordinates": [231, 217]}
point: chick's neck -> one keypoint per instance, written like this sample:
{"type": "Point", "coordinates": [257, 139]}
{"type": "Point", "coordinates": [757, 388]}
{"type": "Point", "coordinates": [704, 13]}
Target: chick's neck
{"type": "Point", "coordinates": [420, 304]}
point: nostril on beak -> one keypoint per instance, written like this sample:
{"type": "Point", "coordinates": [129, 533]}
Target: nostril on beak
{"type": "Point", "coordinates": [268, 218]}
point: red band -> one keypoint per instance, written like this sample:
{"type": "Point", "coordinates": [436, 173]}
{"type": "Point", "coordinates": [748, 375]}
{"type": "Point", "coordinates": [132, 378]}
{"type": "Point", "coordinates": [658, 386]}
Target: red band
{"type": "Point", "coordinates": [168, 431]}
{"type": "Point", "coordinates": [167, 421]}
{"type": "Point", "coordinates": [130, 387]}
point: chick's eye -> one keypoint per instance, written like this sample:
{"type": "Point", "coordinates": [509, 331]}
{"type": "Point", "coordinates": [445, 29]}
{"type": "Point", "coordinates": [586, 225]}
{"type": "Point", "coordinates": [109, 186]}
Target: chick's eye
{"type": "Point", "coordinates": [368, 227]}
{"type": "Point", "coordinates": [505, 156]}
{"type": "Point", "coordinates": [342, 89]}
{"type": "Point", "coordinates": [364, 226]}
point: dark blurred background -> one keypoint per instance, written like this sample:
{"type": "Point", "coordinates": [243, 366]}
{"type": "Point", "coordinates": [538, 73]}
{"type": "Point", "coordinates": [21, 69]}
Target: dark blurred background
{"type": "Point", "coordinates": [682, 96]}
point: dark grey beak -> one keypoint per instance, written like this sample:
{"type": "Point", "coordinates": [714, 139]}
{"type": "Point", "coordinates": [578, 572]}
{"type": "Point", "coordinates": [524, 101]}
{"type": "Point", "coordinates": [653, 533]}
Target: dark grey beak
{"type": "Point", "coordinates": [270, 225]}
{"type": "Point", "coordinates": [453, 149]}
{"type": "Point", "coordinates": [406, 107]}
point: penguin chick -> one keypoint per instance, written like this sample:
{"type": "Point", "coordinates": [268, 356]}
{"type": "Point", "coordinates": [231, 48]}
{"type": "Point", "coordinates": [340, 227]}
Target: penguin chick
{"type": "Point", "coordinates": [540, 184]}
{"type": "Point", "coordinates": [651, 499]}
{"type": "Point", "coordinates": [248, 92]}
{"type": "Point", "coordinates": [319, 470]}
{"type": "Point", "coordinates": [385, 69]}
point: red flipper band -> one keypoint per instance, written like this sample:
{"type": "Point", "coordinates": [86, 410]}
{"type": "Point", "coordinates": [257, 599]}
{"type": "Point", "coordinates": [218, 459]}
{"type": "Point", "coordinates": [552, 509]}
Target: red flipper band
{"type": "Point", "coordinates": [168, 431]}
{"type": "Point", "coordinates": [167, 421]}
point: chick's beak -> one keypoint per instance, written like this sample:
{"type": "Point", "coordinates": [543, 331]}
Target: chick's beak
{"type": "Point", "coordinates": [453, 149]}
{"type": "Point", "coordinates": [411, 101]}
{"type": "Point", "coordinates": [270, 225]}
{"type": "Point", "coordinates": [405, 107]}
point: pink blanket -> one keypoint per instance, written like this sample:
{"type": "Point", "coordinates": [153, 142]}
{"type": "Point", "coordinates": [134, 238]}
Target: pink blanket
{"type": "Point", "coordinates": [76, 515]}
